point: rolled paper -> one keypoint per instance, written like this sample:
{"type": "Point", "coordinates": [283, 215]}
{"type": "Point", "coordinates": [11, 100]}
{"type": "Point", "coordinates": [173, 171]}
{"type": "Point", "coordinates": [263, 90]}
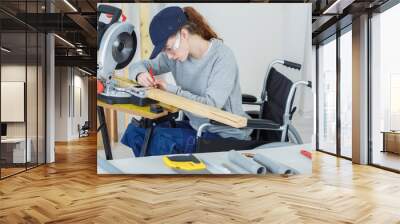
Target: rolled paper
{"type": "Point", "coordinates": [234, 169]}
{"type": "Point", "coordinates": [245, 163]}
{"type": "Point", "coordinates": [274, 166]}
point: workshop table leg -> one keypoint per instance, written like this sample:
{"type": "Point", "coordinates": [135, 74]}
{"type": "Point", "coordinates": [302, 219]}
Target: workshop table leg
{"type": "Point", "coordinates": [104, 133]}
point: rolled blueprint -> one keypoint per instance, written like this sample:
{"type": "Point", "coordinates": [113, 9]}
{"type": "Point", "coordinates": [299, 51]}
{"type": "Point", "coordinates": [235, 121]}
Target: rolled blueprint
{"type": "Point", "coordinates": [234, 169]}
{"type": "Point", "coordinates": [274, 166]}
{"type": "Point", "coordinates": [245, 163]}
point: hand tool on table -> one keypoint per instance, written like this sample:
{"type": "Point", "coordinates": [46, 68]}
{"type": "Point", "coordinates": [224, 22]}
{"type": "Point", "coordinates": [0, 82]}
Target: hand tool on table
{"type": "Point", "coordinates": [152, 74]}
{"type": "Point", "coordinates": [184, 162]}
{"type": "Point", "coordinates": [306, 153]}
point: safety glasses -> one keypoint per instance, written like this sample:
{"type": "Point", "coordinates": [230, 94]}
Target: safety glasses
{"type": "Point", "coordinates": [176, 44]}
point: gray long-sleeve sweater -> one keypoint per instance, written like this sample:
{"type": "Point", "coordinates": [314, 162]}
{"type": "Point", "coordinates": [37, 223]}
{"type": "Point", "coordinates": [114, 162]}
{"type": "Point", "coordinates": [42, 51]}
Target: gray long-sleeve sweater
{"type": "Point", "coordinates": [212, 80]}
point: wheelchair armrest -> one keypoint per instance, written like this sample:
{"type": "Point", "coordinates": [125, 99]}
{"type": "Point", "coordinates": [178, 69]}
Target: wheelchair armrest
{"type": "Point", "coordinates": [292, 64]}
{"type": "Point", "coordinates": [247, 98]}
{"type": "Point", "coordinates": [250, 99]}
{"type": "Point", "coordinates": [254, 124]}
{"type": "Point", "coordinates": [262, 124]}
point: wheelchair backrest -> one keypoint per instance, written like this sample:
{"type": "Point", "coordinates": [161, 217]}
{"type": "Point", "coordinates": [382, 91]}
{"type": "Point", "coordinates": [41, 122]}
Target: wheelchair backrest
{"type": "Point", "coordinates": [278, 88]}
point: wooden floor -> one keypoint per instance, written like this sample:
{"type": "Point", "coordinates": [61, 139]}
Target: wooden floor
{"type": "Point", "coordinates": [10, 171]}
{"type": "Point", "coordinates": [70, 191]}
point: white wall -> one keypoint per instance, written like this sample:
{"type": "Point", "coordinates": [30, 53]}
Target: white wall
{"type": "Point", "coordinates": [80, 83]}
{"type": "Point", "coordinates": [61, 103]}
{"type": "Point", "coordinates": [67, 115]}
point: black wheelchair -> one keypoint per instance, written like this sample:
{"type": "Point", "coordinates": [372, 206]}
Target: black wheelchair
{"type": "Point", "coordinates": [272, 123]}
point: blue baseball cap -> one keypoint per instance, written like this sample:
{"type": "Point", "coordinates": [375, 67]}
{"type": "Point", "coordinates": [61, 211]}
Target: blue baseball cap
{"type": "Point", "coordinates": [165, 24]}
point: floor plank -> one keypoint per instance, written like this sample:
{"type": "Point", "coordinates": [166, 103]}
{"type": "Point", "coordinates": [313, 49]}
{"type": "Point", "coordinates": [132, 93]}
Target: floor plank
{"type": "Point", "coordinates": [70, 191]}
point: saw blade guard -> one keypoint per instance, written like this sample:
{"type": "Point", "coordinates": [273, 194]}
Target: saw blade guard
{"type": "Point", "coordinates": [117, 49]}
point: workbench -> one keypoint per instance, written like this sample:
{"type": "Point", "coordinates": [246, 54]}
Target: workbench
{"type": "Point", "coordinates": [170, 102]}
{"type": "Point", "coordinates": [288, 155]}
{"type": "Point", "coordinates": [149, 120]}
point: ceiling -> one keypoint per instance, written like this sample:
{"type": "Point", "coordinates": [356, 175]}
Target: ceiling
{"type": "Point", "coordinates": [332, 15]}
{"type": "Point", "coordinates": [79, 27]}
{"type": "Point", "coordinates": [76, 25]}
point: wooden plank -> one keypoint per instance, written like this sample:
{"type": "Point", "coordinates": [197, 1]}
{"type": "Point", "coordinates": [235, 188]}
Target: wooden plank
{"type": "Point", "coordinates": [197, 108]}
{"type": "Point", "coordinates": [190, 105]}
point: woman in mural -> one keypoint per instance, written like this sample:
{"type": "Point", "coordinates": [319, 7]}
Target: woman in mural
{"type": "Point", "coordinates": [205, 70]}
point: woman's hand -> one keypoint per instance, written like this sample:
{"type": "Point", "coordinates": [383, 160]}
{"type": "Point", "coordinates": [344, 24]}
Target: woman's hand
{"type": "Point", "coordinates": [145, 79]}
{"type": "Point", "coordinates": [161, 84]}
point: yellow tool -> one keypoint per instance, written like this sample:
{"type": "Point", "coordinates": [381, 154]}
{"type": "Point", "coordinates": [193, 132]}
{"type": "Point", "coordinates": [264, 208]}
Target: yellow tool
{"type": "Point", "coordinates": [184, 162]}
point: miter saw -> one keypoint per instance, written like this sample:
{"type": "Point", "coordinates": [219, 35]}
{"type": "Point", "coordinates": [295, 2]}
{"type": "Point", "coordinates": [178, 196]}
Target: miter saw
{"type": "Point", "coordinates": [117, 44]}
